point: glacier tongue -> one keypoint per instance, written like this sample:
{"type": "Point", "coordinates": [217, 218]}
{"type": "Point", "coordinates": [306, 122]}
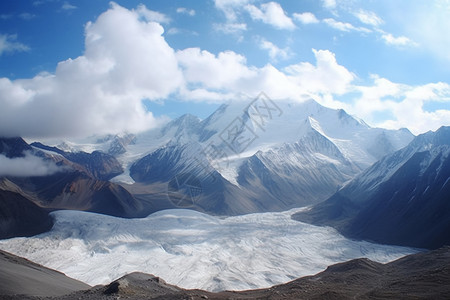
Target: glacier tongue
{"type": "Point", "coordinates": [193, 250]}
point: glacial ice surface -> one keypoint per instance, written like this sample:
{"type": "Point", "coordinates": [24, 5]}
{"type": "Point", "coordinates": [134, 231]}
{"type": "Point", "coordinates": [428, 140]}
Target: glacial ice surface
{"type": "Point", "coordinates": [192, 249]}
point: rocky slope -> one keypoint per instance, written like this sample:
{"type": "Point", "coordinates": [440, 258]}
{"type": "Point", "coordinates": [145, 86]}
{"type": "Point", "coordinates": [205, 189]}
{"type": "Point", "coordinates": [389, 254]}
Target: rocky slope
{"type": "Point", "coordinates": [21, 276]}
{"type": "Point", "coordinates": [100, 165]}
{"type": "Point", "coordinates": [418, 276]}
{"type": "Point", "coordinates": [21, 217]}
{"type": "Point", "coordinates": [404, 199]}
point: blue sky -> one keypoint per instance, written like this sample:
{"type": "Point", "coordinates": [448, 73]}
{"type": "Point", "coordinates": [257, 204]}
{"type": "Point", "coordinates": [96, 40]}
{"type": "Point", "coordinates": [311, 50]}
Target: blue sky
{"type": "Point", "coordinates": [71, 68]}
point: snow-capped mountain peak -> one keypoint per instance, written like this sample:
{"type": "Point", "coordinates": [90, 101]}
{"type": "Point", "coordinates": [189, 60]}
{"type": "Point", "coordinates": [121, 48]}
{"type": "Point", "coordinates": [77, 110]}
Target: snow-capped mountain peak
{"type": "Point", "coordinates": [274, 154]}
{"type": "Point", "coordinates": [401, 199]}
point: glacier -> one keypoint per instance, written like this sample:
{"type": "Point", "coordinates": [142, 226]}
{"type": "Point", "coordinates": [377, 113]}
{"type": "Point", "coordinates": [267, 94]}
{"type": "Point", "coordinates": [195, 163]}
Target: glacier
{"type": "Point", "coordinates": [194, 250]}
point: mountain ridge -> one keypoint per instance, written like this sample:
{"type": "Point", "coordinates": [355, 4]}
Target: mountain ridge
{"type": "Point", "coordinates": [402, 199]}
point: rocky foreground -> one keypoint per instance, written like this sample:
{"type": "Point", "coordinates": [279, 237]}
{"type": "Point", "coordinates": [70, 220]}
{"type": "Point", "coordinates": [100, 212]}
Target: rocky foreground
{"type": "Point", "coordinates": [418, 276]}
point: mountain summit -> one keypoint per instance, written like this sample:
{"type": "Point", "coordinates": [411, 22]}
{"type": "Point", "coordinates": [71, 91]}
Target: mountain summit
{"type": "Point", "coordinates": [253, 156]}
{"type": "Point", "coordinates": [403, 199]}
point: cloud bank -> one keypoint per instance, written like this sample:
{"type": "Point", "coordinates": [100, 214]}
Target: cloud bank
{"type": "Point", "coordinates": [26, 166]}
{"type": "Point", "coordinates": [127, 60]}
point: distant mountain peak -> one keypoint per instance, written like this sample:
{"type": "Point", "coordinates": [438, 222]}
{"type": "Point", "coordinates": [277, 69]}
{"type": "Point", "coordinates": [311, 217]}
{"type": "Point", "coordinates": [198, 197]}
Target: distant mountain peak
{"type": "Point", "coordinates": [255, 155]}
{"type": "Point", "coordinates": [402, 199]}
{"type": "Point", "coordinates": [13, 147]}
{"type": "Point", "coordinates": [432, 138]}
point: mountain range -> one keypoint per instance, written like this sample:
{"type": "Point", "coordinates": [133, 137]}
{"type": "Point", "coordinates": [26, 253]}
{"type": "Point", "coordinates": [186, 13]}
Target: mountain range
{"type": "Point", "coordinates": [403, 199]}
{"type": "Point", "coordinates": [372, 184]}
{"type": "Point", "coordinates": [244, 158]}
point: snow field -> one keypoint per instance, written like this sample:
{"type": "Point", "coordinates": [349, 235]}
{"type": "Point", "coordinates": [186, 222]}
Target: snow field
{"type": "Point", "coordinates": [193, 250]}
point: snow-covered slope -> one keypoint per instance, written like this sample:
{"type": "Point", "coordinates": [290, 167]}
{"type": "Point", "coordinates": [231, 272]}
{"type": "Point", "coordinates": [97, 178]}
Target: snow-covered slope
{"type": "Point", "coordinates": [191, 249]}
{"type": "Point", "coordinates": [269, 124]}
{"type": "Point", "coordinates": [263, 155]}
{"type": "Point", "coordinates": [403, 199]}
{"type": "Point", "coordinates": [277, 155]}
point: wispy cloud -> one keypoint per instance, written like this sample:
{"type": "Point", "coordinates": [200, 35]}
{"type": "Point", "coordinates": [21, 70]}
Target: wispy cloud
{"type": "Point", "coordinates": [27, 16]}
{"type": "Point", "coordinates": [230, 28]}
{"type": "Point", "coordinates": [368, 17]}
{"type": "Point", "coordinates": [230, 8]}
{"type": "Point", "coordinates": [9, 44]}
{"type": "Point", "coordinates": [67, 6]}
{"type": "Point", "coordinates": [152, 16]}
{"type": "Point", "coordinates": [5, 16]}
{"type": "Point", "coordinates": [427, 25]}
{"type": "Point", "coordinates": [186, 11]}
{"type": "Point", "coordinates": [329, 4]}
{"type": "Point", "coordinates": [401, 41]}
{"type": "Point", "coordinates": [344, 26]}
{"type": "Point", "coordinates": [26, 166]}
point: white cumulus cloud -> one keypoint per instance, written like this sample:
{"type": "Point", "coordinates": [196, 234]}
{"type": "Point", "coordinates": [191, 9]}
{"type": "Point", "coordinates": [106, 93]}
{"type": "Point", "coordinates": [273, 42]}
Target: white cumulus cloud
{"type": "Point", "coordinates": [127, 60]}
{"type": "Point", "coordinates": [306, 18]}
{"type": "Point", "coordinates": [274, 51]}
{"type": "Point", "coordinates": [327, 76]}
{"type": "Point", "coordinates": [271, 13]}
{"type": "Point", "coordinates": [220, 71]}
{"type": "Point", "coordinates": [402, 41]}
{"type": "Point", "coordinates": [101, 91]}
{"type": "Point", "coordinates": [387, 104]}
{"type": "Point", "coordinates": [229, 74]}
